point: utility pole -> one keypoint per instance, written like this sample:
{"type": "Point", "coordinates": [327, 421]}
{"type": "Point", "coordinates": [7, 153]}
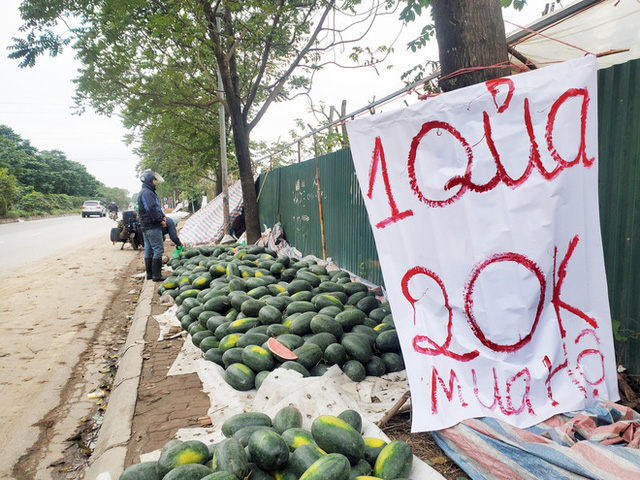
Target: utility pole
{"type": "Point", "coordinates": [223, 153]}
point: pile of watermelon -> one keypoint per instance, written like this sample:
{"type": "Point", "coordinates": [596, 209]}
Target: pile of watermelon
{"type": "Point", "coordinates": [251, 311]}
{"type": "Point", "coordinates": [257, 447]}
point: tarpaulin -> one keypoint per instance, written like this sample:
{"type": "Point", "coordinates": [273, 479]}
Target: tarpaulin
{"type": "Point", "coordinates": [206, 226]}
{"type": "Point", "coordinates": [597, 443]}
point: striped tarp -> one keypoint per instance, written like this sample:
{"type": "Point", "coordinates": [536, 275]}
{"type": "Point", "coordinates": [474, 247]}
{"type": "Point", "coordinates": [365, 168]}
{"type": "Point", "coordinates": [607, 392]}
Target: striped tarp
{"type": "Point", "coordinates": [599, 443]}
{"type": "Point", "coordinates": [205, 227]}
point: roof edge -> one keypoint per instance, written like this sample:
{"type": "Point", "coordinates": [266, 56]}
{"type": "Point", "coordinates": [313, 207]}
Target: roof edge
{"type": "Point", "coordinates": [551, 19]}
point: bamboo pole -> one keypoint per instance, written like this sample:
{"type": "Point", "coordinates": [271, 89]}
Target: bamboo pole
{"type": "Point", "coordinates": [324, 244]}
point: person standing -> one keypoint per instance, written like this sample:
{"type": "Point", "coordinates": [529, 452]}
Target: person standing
{"type": "Point", "coordinates": [152, 221]}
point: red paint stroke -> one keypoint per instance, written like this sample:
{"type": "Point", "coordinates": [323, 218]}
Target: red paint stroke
{"type": "Point", "coordinates": [526, 401]}
{"type": "Point", "coordinates": [557, 288]}
{"type": "Point", "coordinates": [435, 348]}
{"type": "Point", "coordinates": [584, 353]}
{"type": "Point", "coordinates": [588, 331]}
{"type": "Point", "coordinates": [413, 181]}
{"type": "Point", "coordinates": [590, 351]}
{"type": "Point", "coordinates": [378, 157]}
{"type": "Point", "coordinates": [464, 182]}
{"type": "Point", "coordinates": [507, 409]}
{"type": "Point", "coordinates": [582, 151]}
{"type": "Point", "coordinates": [501, 173]}
{"type": "Point", "coordinates": [563, 366]}
{"type": "Point", "coordinates": [496, 390]}
{"type": "Point", "coordinates": [552, 373]}
{"type": "Point", "coordinates": [435, 380]}
{"type": "Point", "coordinates": [492, 86]}
{"type": "Point", "coordinates": [468, 299]}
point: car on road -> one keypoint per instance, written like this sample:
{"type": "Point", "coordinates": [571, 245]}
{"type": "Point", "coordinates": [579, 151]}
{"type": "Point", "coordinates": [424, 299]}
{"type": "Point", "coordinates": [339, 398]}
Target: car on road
{"type": "Point", "coordinates": [93, 207]}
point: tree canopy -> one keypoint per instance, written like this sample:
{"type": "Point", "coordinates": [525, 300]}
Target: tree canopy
{"type": "Point", "coordinates": [151, 59]}
{"type": "Point", "coordinates": [45, 177]}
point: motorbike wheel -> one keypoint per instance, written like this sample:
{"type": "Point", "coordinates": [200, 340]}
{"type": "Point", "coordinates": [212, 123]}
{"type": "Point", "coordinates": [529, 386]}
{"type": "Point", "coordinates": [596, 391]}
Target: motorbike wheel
{"type": "Point", "coordinates": [139, 237]}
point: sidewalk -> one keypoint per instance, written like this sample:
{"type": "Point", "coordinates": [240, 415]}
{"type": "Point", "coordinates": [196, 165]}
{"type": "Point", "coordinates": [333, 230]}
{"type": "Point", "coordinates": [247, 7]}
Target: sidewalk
{"type": "Point", "coordinates": [147, 407]}
{"type": "Point", "coordinates": [115, 433]}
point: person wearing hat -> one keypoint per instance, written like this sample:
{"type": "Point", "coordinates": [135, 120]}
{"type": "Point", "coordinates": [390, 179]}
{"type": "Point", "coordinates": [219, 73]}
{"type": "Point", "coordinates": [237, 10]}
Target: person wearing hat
{"type": "Point", "coordinates": [152, 221]}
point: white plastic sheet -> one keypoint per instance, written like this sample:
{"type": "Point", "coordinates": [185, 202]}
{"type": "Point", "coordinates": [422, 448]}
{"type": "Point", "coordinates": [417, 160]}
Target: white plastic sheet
{"type": "Point", "coordinates": [484, 207]}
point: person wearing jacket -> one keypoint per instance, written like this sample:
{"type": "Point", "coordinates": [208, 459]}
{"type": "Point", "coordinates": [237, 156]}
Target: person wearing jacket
{"type": "Point", "coordinates": [152, 221]}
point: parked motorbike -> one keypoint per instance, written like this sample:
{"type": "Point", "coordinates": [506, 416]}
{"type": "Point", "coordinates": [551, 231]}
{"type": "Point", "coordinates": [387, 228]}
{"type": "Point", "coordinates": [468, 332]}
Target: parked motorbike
{"type": "Point", "coordinates": [128, 230]}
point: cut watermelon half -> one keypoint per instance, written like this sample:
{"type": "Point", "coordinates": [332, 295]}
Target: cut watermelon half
{"type": "Point", "coordinates": [279, 351]}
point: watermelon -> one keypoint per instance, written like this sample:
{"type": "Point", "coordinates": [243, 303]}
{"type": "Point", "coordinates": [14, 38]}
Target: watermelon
{"type": "Point", "coordinates": [394, 461]}
{"type": "Point", "coordinates": [335, 354]}
{"type": "Point", "coordinates": [332, 466]}
{"type": "Point", "coordinates": [176, 453]}
{"type": "Point", "coordinates": [242, 420]}
{"type": "Point", "coordinates": [193, 471]}
{"type": "Point", "coordinates": [360, 470]}
{"type": "Point", "coordinates": [244, 434]}
{"type": "Point", "coordinates": [231, 356]}
{"type": "Point", "coordinates": [372, 448]}
{"type": "Point", "coordinates": [334, 435]}
{"type": "Point", "coordinates": [296, 437]}
{"type": "Point", "coordinates": [354, 370]}
{"type": "Point", "coordinates": [141, 471]}
{"type": "Point", "coordinates": [308, 355]}
{"type": "Point", "coordinates": [304, 456]}
{"type": "Point", "coordinates": [240, 377]}
{"type": "Point", "coordinates": [231, 457]}
{"type": "Point", "coordinates": [268, 450]}
{"type": "Point", "coordinates": [279, 351]}
{"type": "Point", "coordinates": [257, 358]}
{"type": "Point", "coordinates": [270, 315]}
{"type": "Point", "coordinates": [286, 418]}
{"type": "Point", "coordinates": [357, 346]}
{"type": "Point", "coordinates": [353, 418]}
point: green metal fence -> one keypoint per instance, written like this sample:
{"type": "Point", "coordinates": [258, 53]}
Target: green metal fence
{"type": "Point", "coordinates": [619, 192]}
{"type": "Point", "coordinates": [290, 196]}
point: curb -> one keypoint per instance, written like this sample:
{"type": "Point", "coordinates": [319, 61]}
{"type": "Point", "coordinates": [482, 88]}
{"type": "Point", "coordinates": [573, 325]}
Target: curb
{"type": "Point", "coordinates": [115, 433]}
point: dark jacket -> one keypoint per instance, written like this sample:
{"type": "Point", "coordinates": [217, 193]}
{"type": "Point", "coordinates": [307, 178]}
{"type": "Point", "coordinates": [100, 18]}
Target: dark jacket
{"type": "Point", "coordinates": [149, 210]}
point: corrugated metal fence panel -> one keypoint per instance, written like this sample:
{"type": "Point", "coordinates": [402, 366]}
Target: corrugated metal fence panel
{"type": "Point", "coordinates": [348, 234]}
{"type": "Point", "coordinates": [619, 193]}
{"type": "Point", "coordinates": [290, 196]}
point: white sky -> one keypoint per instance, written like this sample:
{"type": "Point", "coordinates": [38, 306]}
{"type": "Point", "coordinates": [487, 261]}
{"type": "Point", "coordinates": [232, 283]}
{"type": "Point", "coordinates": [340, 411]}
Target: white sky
{"type": "Point", "coordinates": [37, 102]}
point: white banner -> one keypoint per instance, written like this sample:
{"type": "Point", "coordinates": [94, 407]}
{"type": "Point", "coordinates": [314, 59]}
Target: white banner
{"type": "Point", "coordinates": [484, 207]}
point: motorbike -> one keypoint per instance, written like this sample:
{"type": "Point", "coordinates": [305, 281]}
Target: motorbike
{"type": "Point", "coordinates": [128, 230]}
{"type": "Point", "coordinates": [113, 215]}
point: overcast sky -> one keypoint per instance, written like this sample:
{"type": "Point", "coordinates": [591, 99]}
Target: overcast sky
{"type": "Point", "coordinates": [37, 102]}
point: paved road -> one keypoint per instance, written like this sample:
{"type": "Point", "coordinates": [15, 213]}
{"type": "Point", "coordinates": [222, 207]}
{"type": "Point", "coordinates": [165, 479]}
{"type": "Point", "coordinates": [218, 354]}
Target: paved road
{"type": "Point", "coordinates": [24, 243]}
{"type": "Point", "coordinates": [55, 324]}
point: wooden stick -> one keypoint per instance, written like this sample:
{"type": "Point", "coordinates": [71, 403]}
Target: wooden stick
{"type": "Point", "coordinates": [626, 389]}
{"type": "Point", "coordinates": [394, 410]}
{"type": "Point", "coordinates": [205, 421]}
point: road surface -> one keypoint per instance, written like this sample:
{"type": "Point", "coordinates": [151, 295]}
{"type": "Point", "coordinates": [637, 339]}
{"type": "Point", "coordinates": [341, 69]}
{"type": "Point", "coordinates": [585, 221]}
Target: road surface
{"type": "Point", "coordinates": [61, 276]}
{"type": "Point", "coordinates": [22, 243]}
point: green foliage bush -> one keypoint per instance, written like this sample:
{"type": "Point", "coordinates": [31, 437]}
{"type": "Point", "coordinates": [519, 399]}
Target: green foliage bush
{"type": "Point", "coordinates": [36, 203]}
{"type": "Point", "coordinates": [43, 183]}
{"type": "Point", "coordinates": [8, 191]}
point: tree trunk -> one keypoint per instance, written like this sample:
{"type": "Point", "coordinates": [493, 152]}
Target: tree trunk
{"type": "Point", "coordinates": [219, 178]}
{"type": "Point", "coordinates": [249, 197]}
{"type": "Point", "coordinates": [227, 68]}
{"type": "Point", "coordinates": [470, 34]}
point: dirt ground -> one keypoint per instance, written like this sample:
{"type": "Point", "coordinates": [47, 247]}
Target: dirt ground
{"type": "Point", "coordinates": [63, 321]}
